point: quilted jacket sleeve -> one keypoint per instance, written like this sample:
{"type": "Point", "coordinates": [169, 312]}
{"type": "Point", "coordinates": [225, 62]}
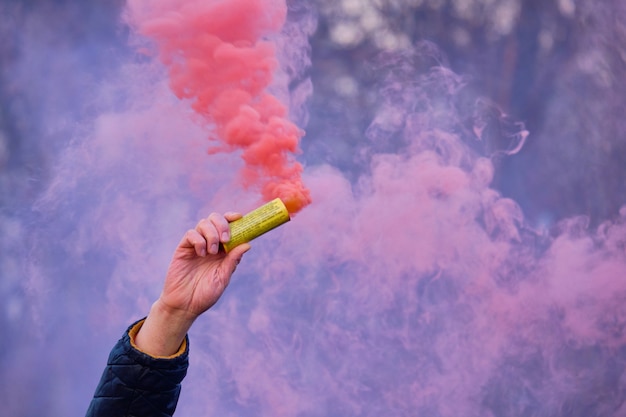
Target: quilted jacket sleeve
{"type": "Point", "coordinates": [135, 384]}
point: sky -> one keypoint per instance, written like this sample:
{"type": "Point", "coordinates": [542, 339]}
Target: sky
{"type": "Point", "coordinates": [456, 176]}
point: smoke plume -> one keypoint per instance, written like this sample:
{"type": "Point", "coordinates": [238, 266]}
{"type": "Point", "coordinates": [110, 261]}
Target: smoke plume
{"type": "Point", "coordinates": [220, 56]}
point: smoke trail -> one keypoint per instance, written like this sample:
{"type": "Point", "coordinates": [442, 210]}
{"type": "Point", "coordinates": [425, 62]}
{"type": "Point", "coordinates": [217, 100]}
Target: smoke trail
{"type": "Point", "coordinates": [220, 56]}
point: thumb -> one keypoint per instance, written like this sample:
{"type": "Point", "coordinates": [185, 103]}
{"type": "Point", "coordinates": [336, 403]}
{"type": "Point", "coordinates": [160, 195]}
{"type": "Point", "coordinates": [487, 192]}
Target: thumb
{"type": "Point", "coordinates": [234, 256]}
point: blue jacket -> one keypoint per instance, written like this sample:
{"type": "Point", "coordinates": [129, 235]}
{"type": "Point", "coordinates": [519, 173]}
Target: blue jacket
{"type": "Point", "coordinates": [135, 384]}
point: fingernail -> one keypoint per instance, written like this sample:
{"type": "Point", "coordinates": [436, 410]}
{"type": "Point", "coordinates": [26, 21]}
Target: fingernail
{"type": "Point", "coordinates": [225, 237]}
{"type": "Point", "coordinates": [214, 248]}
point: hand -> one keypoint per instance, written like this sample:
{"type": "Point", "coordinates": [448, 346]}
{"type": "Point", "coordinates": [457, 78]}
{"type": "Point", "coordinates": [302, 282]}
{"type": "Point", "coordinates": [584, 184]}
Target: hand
{"type": "Point", "coordinates": [198, 274]}
{"type": "Point", "coordinates": [200, 270]}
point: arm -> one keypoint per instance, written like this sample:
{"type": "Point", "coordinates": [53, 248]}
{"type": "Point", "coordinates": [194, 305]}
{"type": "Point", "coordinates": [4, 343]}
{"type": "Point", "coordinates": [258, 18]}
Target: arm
{"type": "Point", "coordinates": [136, 384]}
{"type": "Point", "coordinates": [197, 276]}
{"type": "Point", "coordinates": [146, 366]}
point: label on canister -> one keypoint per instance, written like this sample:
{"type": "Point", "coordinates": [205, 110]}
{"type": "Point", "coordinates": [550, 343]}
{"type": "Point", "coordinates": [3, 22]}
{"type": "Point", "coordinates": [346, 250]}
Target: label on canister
{"type": "Point", "coordinates": [261, 220]}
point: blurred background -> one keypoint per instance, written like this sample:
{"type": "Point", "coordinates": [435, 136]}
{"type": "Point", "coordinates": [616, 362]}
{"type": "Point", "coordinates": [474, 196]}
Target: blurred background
{"type": "Point", "coordinates": [93, 200]}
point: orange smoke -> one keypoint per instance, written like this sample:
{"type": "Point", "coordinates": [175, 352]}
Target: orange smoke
{"type": "Point", "coordinates": [217, 57]}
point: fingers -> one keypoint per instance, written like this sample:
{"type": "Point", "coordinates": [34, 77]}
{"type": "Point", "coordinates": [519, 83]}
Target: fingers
{"type": "Point", "coordinates": [194, 239]}
{"type": "Point", "coordinates": [210, 232]}
{"type": "Point", "coordinates": [234, 256]}
{"type": "Point", "coordinates": [211, 229]}
{"type": "Point", "coordinates": [231, 216]}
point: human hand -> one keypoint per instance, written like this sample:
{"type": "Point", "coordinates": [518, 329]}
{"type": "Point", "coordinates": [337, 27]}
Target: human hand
{"type": "Point", "coordinates": [198, 274]}
{"type": "Point", "coordinates": [200, 269]}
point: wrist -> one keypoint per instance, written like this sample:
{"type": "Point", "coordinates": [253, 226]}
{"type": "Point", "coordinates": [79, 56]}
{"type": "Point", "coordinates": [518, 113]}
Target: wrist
{"type": "Point", "coordinates": [164, 330]}
{"type": "Point", "coordinates": [175, 317]}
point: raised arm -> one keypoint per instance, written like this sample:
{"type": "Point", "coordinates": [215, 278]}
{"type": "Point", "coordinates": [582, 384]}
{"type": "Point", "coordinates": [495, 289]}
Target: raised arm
{"type": "Point", "coordinates": [147, 365]}
{"type": "Point", "coordinates": [197, 276]}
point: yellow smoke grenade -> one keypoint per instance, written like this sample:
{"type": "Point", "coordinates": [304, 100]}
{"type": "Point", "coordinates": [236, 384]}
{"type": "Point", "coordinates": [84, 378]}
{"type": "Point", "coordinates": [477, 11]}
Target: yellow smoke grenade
{"type": "Point", "coordinates": [259, 221]}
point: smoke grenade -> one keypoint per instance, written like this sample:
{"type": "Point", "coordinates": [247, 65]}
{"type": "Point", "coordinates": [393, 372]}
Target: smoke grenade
{"type": "Point", "coordinates": [259, 221]}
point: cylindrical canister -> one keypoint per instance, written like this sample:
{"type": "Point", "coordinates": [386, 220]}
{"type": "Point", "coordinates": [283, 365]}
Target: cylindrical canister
{"type": "Point", "coordinates": [259, 221]}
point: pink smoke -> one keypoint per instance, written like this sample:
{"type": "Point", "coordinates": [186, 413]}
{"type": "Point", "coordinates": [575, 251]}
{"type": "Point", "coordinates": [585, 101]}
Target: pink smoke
{"type": "Point", "coordinates": [219, 57]}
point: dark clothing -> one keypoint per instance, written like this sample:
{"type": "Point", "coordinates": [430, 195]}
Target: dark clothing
{"type": "Point", "coordinates": [135, 384]}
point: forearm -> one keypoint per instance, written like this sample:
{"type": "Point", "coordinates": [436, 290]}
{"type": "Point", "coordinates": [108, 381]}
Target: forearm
{"type": "Point", "coordinates": [163, 331]}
